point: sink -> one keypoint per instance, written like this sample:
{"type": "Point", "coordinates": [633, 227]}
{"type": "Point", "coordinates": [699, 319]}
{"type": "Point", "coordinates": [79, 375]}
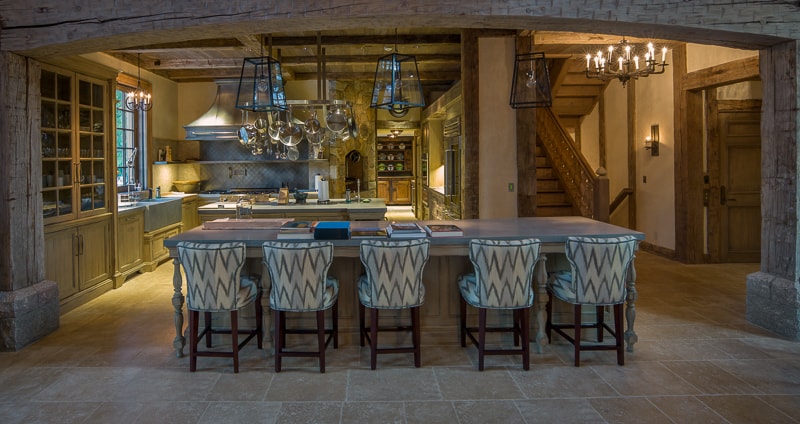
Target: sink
{"type": "Point", "coordinates": [161, 212]}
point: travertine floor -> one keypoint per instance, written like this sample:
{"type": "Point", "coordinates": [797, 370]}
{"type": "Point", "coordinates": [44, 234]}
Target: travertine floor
{"type": "Point", "coordinates": [697, 360]}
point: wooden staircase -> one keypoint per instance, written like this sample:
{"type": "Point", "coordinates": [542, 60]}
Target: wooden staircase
{"type": "Point", "coordinates": [574, 96]}
{"type": "Point", "coordinates": [551, 199]}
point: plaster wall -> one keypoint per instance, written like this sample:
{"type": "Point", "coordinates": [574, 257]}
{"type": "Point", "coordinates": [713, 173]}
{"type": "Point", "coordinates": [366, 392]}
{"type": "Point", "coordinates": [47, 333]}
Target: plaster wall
{"type": "Point", "coordinates": [497, 134]}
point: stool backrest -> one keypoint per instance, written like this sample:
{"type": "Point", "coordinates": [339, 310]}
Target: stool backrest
{"type": "Point", "coordinates": [504, 271]}
{"type": "Point", "coordinates": [394, 270]}
{"type": "Point", "coordinates": [213, 272]}
{"type": "Point", "coordinates": [298, 272]}
{"type": "Point", "coordinates": [600, 267]}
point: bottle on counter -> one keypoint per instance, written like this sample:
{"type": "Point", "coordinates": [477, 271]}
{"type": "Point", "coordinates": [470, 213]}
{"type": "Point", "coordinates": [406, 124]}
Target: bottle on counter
{"type": "Point", "coordinates": [158, 192]}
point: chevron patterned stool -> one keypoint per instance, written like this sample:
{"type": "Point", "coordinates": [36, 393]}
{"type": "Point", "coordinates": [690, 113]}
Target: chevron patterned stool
{"type": "Point", "coordinates": [393, 280]}
{"type": "Point", "coordinates": [599, 268]}
{"type": "Point", "coordinates": [300, 283]}
{"type": "Point", "coordinates": [214, 284]}
{"type": "Point", "coordinates": [503, 279]}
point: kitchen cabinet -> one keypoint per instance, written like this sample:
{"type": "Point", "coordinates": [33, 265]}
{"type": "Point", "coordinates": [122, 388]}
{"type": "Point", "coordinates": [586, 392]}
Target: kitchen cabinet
{"type": "Point", "coordinates": [395, 190]}
{"type": "Point", "coordinates": [130, 244]}
{"type": "Point", "coordinates": [395, 169]}
{"type": "Point", "coordinates": [74, 131]}
{"type": "Point", "coordinates": [154, 250]}
{"type": "Point", "coordinates": [77, 258]}
{"type": "Point", "coordinates": [189, 217]}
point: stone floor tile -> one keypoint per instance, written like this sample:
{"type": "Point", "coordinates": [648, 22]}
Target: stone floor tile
{"type": "Point", "coordinates": [247, 385]}
{"type": "Point", "coordinates": [709, 378]}
{"type": "Point", "coordinates": [310, 412]}
{"type": "Point", "coordinates": [241, 412]}
{"type": "Point", "coordinates": [550, 381]}
{"type": "Point", "coordinates": [744, 409]}
{"type": "Point", "coordinates": [471, 384]}
{"type": "Point", "coordinates": [488, 411]}
{"type": "Point", "coordinates": [558, 410]}
{"type": "Point", "coordinates": [430, 412]}
{"type": "Point", "coordinates": [686, 409]}
{"type": "Point", "coordinates": [634, 410]}
{"type": "Point", "coordinates": [393, 384]}
{"type": "Point", "coordinates": [88, 385]}
{"type": "Point", "coordinates": [170, 384]}
{"type": "Point", "coordinates": [774, 376]}
{"type": "Point", "coordinates": [373, 412]}
{"type": "Point", "coordinates": [308, 385]}
{"type": "Point", "coordinates": [788, 404]}
{"type": "Point", "coordinates": [645, 379]}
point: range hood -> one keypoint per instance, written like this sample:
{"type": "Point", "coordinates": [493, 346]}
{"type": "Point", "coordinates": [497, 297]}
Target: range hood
{"type": "Point", "coordinates": [222, 120]}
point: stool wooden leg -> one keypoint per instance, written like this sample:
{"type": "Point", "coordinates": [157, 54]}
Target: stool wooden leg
{"type": "Point", "coordinates": [515, 313]}
{"type": "Point", "coordinates": [481, 336]}
{"type": "Point", "coordinates": [373, 342]}
{"type": "Point", "coordinates": [235, 339]}
{"type": "Point", "coordinates": [526, 338]}
{"type": "Point", "coordinates": [415, 336]}
{"type": "Point", "coordinates": [335, 318]}
{"type": "Point", "coordinates": [207, 316]}
{"type": "Point", "coordinates": [362, 328]}
{"type": "Point", "coordinates": [321, 339]}
{"type": "Point", "coordinates": [601, 316]}
{"type": "Point", "coordinates": [577, 335]}
{"type": "Point", "coordinates": [618, 333]}
{"type": "Point", "coordinates": [259, 321]}
{"type": "Point", "coordinates": [279, 339]}
{"type": "Point", "coordinates": [463, 316]}
{"type": "Point", "coordinates": [194, 317]}
{"type": "Point", "coordinates": [548, 327]}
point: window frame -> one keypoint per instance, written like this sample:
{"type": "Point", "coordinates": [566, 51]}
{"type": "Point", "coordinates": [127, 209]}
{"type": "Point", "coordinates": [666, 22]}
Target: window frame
{"type": "Point", "coordinates": [141, 135]}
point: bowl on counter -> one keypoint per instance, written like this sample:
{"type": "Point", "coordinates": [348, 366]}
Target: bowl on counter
{"type": "Point", "coordinates": [186, 186]}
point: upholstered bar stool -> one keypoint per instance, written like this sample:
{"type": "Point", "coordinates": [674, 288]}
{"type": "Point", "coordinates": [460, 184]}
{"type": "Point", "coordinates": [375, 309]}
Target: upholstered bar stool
{"type": "Point", "coordinates": [214, 284]}
{"type": "Point", "coordinates": [597, 276]}
{"type": "Point", "coordinates": [503, 279]}
{"type": "Point", "coordinates": [300, 283]}
{"type": "Point", "coordinates": [393, 280]}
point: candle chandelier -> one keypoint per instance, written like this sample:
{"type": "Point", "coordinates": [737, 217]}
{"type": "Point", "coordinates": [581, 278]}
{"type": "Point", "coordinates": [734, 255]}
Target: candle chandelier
{"type": "Point", "coordinates": [138, 99]}
{"type": "Point", "coordinates": [625, 62]}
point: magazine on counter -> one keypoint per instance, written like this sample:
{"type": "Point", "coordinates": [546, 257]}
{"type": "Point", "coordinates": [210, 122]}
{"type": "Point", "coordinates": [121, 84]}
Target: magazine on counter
{"type": "Point", "coordinates": [405, 230]}
{"type": "Point", "coordinates": [294, 230]}
{"type": "Point", "coordinates": [368, 233]}
{"type": "Point", "coordinates": [444, 230]}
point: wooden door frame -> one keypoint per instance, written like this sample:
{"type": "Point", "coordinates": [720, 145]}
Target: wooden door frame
{"type": "Point", "coordinates": [690, 127]}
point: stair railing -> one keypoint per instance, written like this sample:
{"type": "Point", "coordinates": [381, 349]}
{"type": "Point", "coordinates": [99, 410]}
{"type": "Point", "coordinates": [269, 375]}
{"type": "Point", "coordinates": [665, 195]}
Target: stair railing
{"type": "Point", "coordinates": [587, 190]}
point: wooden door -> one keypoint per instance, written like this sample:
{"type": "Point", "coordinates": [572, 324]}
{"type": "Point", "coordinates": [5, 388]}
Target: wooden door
{"type": "Point", "coordinates": [402, 192]}
{"type": "Point", "coordinates": [383, 190]}
{"type": "Point", "coordinates": [59, 260]}
{"type": "Point", "coordinates": [740, 186]}
{"type": "Point", "coordinates": [94, 264]}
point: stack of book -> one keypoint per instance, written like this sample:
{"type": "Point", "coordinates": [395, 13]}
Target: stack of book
{"type": "Point", "coordinates": [367, 232]}
{"type": "Point", "coordinates": [444, 230]}
{"type": "Point", "coordinates": [296, 230]}
{"type": "Point", "coordinates": [332, 230]}
{"type": "Point", "coordinates": [405, 230]}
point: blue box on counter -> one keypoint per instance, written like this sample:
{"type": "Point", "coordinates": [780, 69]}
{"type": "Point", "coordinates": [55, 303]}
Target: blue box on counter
{"type": "Point", "coordinates": [332, 230]}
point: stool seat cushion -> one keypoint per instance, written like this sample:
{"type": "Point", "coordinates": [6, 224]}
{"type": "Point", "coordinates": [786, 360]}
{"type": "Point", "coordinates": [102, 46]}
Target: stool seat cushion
{"type": "Point", "coordinates": [365, 295]}
{"type": "Point", "coordinates": [470, 291]}
{"type": "Point", "coordinates": [299, 276]}
{"type": "Point", "coordinates": [210, 271]}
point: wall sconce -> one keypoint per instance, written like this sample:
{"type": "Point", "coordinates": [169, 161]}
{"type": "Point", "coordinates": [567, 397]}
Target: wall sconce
{"type": "Point", "coordinates": [651, 142]}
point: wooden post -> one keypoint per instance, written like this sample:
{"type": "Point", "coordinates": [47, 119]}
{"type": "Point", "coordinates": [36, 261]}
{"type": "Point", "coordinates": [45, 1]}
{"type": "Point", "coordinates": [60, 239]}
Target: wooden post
{"type": "Point", "coordinates": [772, 293]}
{"type": "Point", "coordinates": [526, 149]}
{"type": "Point", "coordinates": [29, 303]}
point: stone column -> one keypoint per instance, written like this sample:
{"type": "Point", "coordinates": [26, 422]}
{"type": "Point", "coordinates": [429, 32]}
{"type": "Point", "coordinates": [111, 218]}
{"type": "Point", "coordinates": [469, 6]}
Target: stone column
{"type": "Point", "coordinates": [28, 303]}
{"type": "Point", "coordinates": [773, 293]}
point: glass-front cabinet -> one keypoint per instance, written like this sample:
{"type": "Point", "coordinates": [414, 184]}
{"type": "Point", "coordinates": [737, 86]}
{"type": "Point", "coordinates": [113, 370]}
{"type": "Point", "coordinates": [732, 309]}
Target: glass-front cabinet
{"type": "Point", "coordinates": [73, 124]}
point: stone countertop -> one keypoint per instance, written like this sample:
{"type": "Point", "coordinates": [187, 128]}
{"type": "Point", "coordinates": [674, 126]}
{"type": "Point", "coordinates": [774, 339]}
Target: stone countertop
{"type": "Point", "coordinates": [376, 205]}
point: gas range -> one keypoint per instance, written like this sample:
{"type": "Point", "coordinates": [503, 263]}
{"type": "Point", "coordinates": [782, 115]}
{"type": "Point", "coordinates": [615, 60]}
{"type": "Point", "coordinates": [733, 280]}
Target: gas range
{"type": "Point", "coordinates": [262, 194]}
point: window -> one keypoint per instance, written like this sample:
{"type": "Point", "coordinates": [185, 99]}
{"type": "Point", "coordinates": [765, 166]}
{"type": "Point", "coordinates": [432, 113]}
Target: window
{"type": "Point", "coordinates": [131, 138]}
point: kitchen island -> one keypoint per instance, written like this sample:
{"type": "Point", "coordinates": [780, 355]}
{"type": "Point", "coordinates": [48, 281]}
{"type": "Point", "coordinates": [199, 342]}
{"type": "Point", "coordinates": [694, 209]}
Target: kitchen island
{"type": "Point", "coordinates": [336, 210]}
{"type": "Point", "coordinates": [449, 258]}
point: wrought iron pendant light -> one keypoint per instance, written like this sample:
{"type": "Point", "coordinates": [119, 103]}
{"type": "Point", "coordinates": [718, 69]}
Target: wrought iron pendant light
{"type": "Point", "coordinates": [139, 99]}
{"type": "Point", "coordinates": [531, 84]}
{"type": "Point", "coordinates": [626, 62]}
{"type": "Point", "coordinates": [261, 84]}
{"type": "Point", "coordinates": [397, 86]}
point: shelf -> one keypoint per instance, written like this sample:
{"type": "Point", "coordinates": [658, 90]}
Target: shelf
{"type": "Point", "coordinates": [224, 162]}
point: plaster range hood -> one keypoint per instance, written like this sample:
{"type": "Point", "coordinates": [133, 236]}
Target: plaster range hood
{"type": "Point", "coordinates": [222, 120]}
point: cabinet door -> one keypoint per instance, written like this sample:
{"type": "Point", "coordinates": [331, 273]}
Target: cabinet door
{"type": "Point", "coordinates": [94, 255]}
{"type": "Point", "coordinates": [59, 259]}
{"type": "Point", "coordinates": [58, 163]}
{"type": "Point", "coordinates": [402, 191]}
{"type": "Point", "coordinates": [189, 217]}
{"type": "Point", "coordinates": [383, 190]}
{"type": "Point", "coordinates": [130, 240]}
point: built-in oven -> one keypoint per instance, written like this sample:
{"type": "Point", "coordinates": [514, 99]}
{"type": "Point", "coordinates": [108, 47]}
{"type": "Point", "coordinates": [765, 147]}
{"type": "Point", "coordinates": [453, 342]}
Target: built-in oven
{"type": "Point", "coordinates": [452, 167]}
